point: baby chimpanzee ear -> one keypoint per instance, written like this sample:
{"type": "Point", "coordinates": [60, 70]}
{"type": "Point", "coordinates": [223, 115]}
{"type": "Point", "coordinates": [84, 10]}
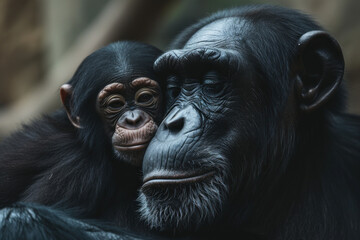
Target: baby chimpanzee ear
{"type": "Point", "coordinates": [66, 91]}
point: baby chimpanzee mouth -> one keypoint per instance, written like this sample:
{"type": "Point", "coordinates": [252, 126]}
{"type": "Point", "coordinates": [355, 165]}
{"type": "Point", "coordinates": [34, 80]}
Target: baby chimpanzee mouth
{"type": "Point", "coordinates": [134, 139]}
{"type": "Point", "coordinates": [132, 147]}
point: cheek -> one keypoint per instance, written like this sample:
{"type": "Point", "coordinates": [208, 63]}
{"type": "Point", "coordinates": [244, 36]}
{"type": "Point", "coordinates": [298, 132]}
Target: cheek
{"type": "Point", "coordinates": [129, 145]}
{"type": "Point", "coordinates": [107, 128]}
{"type": "Point", "coordinates": [131, 157]}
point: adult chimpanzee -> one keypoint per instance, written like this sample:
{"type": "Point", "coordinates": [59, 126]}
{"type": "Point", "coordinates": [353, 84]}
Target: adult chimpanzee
{"type": "Point", "coordinates": [256, 142]}
{"type": "Point", "coordinates": [88, 156]}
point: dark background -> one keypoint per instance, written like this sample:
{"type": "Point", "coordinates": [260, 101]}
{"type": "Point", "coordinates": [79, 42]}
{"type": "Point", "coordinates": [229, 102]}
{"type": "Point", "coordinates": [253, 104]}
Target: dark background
{"type": "Point", "coordinates": [43, 41]}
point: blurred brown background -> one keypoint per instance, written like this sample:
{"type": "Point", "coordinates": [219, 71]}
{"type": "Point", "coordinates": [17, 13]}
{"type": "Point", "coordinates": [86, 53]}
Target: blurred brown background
{"type": "Point", "coordinates": [43, 41]}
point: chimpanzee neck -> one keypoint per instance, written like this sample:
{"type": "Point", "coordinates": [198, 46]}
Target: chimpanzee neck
{"type": "Point", "coordinates": [326, 167]}
{"type": "Point", "coordinates": [319, 180]}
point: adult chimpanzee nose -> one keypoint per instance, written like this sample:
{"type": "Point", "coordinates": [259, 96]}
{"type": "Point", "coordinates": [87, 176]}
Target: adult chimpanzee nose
{"type": "Point", "coordinates": [179, 121]}
{"type": "Point", "coordinates": [175, 122]}
{"type": "Point", "coordinates": [133, 119]}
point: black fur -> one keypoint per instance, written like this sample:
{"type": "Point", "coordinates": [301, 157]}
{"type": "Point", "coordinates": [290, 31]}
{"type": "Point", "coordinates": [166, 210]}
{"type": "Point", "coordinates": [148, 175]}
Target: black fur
{"type": "Point", "coordinates": [34, 222]}
{"type": "Point", "coordinates": [281, 172]}
{"type": "Point", "coordinates": [51, 162]}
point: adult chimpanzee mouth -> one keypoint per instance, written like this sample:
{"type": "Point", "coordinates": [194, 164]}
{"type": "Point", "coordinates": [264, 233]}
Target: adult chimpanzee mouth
{"type": "Point", "coordinates": [164, 178]}
{"type": "Point", "coordinates": [132, 147]}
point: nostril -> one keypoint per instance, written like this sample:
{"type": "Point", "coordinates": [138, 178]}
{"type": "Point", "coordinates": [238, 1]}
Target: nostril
{"type": "Point", "coordinates": [133, 120]}
{"type": "Point", "coordinates": [175, 124]}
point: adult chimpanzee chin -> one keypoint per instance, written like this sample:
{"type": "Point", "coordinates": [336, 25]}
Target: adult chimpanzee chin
{"type": "Point", "coordinates": [87, 156]}
{"type": "Point", "coordinates": [255, 142]}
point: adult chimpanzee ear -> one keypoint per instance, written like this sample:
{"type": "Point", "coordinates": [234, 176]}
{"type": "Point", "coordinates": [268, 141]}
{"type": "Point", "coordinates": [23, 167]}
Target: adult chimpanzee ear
{"type": "Point", "coordinates": [66, 95]}
{"type": "Point", "coordinates": [320, 69]}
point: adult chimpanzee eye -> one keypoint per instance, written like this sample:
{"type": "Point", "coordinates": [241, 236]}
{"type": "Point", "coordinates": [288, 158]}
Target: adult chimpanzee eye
{"type": "Point", "coordinates": [212, 84]}
{"type": "Point", "coordinates": [146, 97]}
{"type": "Point", "coordinates": [213, 89]}
{"type": "Point", "coordinates": [173, 88]}
{"type": "Point", "coordinates": [173, 91]}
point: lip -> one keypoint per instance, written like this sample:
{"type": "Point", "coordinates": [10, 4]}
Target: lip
{"type": "Point", "coordinates": [133, 147]}
{"type": "Point", "coordinates": [159, 178]}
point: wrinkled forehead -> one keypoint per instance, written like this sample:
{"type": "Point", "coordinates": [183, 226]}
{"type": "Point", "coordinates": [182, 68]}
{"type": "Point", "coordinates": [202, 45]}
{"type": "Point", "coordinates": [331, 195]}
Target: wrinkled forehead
{"type": "Point", "coordinates": [217, 45]}
{"type": "Point", "coordinates": [222, 33]}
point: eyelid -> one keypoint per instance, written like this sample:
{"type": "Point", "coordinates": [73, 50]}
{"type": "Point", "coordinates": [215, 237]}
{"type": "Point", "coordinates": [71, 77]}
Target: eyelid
{"type": "Point", "coordinates": [116, 98]}
{"type": "Point", "coordinates": [173, 84]}
{"type": "Point", "coordinates": [213, 78]}
{"type": "Point", "coordinates": [142, 90]}
{"type": "Point", "coordinates": [151, 91]}
{"type": "Point", "coordinates": [173, 81]}
{"type": "Point", "coordinates": [105, 103]}
{"type": "Point", "coordinates": [211, 82]}
{"type": "Point", "coordinates": [172, 87]}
